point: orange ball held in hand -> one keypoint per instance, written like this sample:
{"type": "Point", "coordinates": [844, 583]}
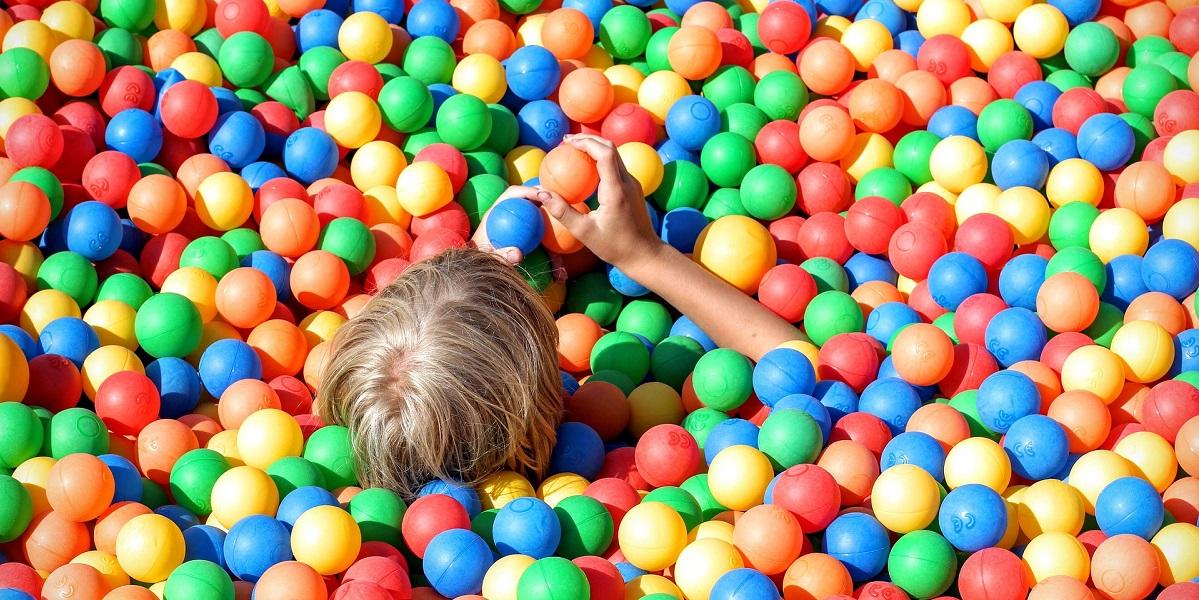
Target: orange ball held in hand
{"type": "Point", "coordinates": [922, 354]}
{"type": "Point", "coordinates": [567, 33]}
{"type": "Point", "coordinates": [557, 238]}
{"type": "Point", "coordinates": [24, 211]}
{"type": "Point", "coordinates": [80, 487]}
{"type": "Point", "coordinates": [156, 204]}
{"type": "Point", "coordinates": [586, 95]}
{"type": "Point", "coordinates": [1067, 301]}
{"type": "Point", "coordinates": [245, 297]}
{"type": "Point", "coordinates": [569, 172]}
{"type": "Point", "coordinates": [319, 280]}
{"type": "Point", "coordinates": [694, 52]}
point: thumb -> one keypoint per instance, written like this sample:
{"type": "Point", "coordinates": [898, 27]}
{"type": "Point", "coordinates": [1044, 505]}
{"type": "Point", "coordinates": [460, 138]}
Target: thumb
{"type": "Point", "coordinates": [561, 210]}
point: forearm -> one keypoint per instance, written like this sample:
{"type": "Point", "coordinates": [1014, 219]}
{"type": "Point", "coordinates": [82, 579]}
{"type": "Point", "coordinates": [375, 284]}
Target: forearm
{"type": "Point", "coordinates": [733, 319]}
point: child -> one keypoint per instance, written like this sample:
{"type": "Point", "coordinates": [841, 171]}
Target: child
{"type": "Point", "coordinates": [452, 370]}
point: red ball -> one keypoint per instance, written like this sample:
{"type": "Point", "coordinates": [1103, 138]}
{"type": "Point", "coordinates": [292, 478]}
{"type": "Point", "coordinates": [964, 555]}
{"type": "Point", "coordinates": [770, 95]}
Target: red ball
{"type": "Point", "coordinates": [882, 589]}
{"type": "Point", "coordinates": [188, 109]}
{"type": "Point", "coordinates": [1154, 151]}
{"type": "Point", "coordinates": [863, 428]}
{"type": "Point", "coordinates": [294, 396]}
{"type": "Point", "coordinates": [778, 144]}
{"type": "Point", "coordinates": [786, 290]}
{"type": "Point", "coordinates": [621, 463]}
{"type": "Point", "coordinates": [922, 302]}
{"type": "Point", "coordinates": [108, 177]}
{"type": "Point", "coordinates": [451, 216]}
{"type": "Point", "coordinates": [355, 76]}
{"type": "Point", "coordinates": [127, 401]}
{"type": "Point", "coordinates": [450, 159]}
{"type": "Point", "coordinates": [1060, 346]}
{"type": "Point", "coordinates": [84, 116]}
{"type": "Point", "coordinates": [871, 222]}
{"type": "Point", "coordinates": [810, 493]}
{"type": "Point", "coordinates": [34, 141]}
{"type": "Point", "coordinates": [629, 122]}
{"type": "Point", "coordinates": [361, 589]}
{"type": "Point", "coordinates": [785, 232]}
{"type": "Point", "coordinates": [277, 121]}
{"type": "Point", "coordinates": [784, 27]}
{"type": "Point", "coordinates": [12, 293]}
{"type": "Point", "coordinates": [434, 242]}
{"type": "Point", "coordinates": [1184, 30]}
{"type": "Point", "coordinates": [823, 234]}
{"type": "Point", "coordinates": [932, 210]}
{"type": "Point", "coordinates": [602, 577]}
{"type": "Point", "coordinates": [945, 56]}
{"type": "Point", "coordinates": [277, 189]}
{"type": "Point", "coordinates": [971, 365]}
{"type": "Point", "coordinates": [987, 238]}
{"type": "Point", "coordinates": [735, 48]}
{"type": "Point", "coordinates": [667, 455]}
{"type": "Point", "coordinates": [914, 248]}
{"type": "Point", "coordinates": [823, 187]}
{"type": "Point", "coordinates": [1167, 406]}
{"type": "Point", "coordinates": [1011, 71]}
{"type": "Point", "coordinates": [1178, 111]}
{"type": "Point", "coordinates": [1186, 590]}
{"type": "Point", "coordinates": [382, 273]}
{"type": "Point", "coordinates": [339, 200]}
{"type": "Point", "coordinates": [77, 150]}
{"type": "Point", "coordinates": [1075, 106]}
{"type": "Point", "coordinates": [124, 88]}
{"type": "Point", "coordinates": [973, 314]}
{"type": "Point", "coordinates": [54, 383]}
{"type": "Point", "coordinates": [429, 516]}
{"type": "Point", "coordinates": [993, 574]}
{"type": "Point", "coordinates": [616, 495]}
{"type": "Point", "coordinates": [383, 549]}
{"type": "Point", "coordinates": [389, 574]}
{"type": "Point", "coordinates": [20, 577]}
{"type": "Point", "coordinates": [851, 358]}
{"type": "Point", "coordinates": [232, 16]}
{"type": "Point", "coordinates": [160, 256]}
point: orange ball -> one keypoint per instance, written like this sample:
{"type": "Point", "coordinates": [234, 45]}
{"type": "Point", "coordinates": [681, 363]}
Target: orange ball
{"type": "Point", "coordinates": [973, 93]}
{"type": "Point", "coordinates": [131, 592]}
{"type": "Point", "coordinates": [942, 422]}
{"type": "Point", "coordinates": [1061, 587]}
{"type": "Point", "coordinates": [473, 11]}
{"type": "Point", "coordinates": [156, 204]}
{"type": "Point", "coordinates": [1160, 308]}
{"type": "Point", "coordinates": [110, 522]}
{"type": "Point", "coordinates": [557, 238]}
{"type": "Point", "coordinates": [1124, 567]}
{"type": "Point", "coordinates": [892, 64]}
{"type": "Point", "coordinates": [489, 36]}
{"type": "Point", "coordinates": [602, 406]}
{"type": "Point", "coordinates": [770, 62]}
{"type": "Point", "coordinates": [826, 67]}
{"type": "Point", "coordinates": [160, 444]}
{"type": "Point", "coordinates": [289, 227]}
{"type": "Point", "coordinates": [290, 580]}
{"type": "Point", "coordinates": [1049, 385]}
{"type": "Point", "coordinates": [298, 8]}
{"type": "Point", "coordinates": [922, 94]}
{"type": "Point", "coordinates": [1182, 499]}
{"type": "Point", "coordinates": [245, 297]}
{"type": "Point", "coordinates": [75, 580]}
{"type": "Point", "coordinates": [922, 354]}
{"type": "Point", "coordinates": [1067, 301]}
{"type": "Point", "coordinates": [570, 173]}
{"type": "Point", "coordinates": [1111, 85]}
{"type": "Point", "coordinates": [585, 94]}
{"type": "Point", "coordinates": [871, 294]}
{"type": "Point", "coordinates": [280, 346]}
{"type": "Point", "coordinates": [52, 540]}
{"type": "Point", "coordinates": [826, 133]}
{"type": "Point", "coordinates": [694, 52]}
{"type": "Point", "coordinates": [1145, 188]}
{"type": "Point", "coordinates": [1084, 417]}
{"type": "Point", "coordinates": [876, 105]}
{"type": "Point", "coordinates": [244, 398]}
{"type": "Point", "coordinates": [816, 575]}
{"type": "Point", "coordinates": [80, 487]}
{"type": "Point", "coordinates": [567, 33]}
{"type": "Point", "coordinates": [708, 14]}
{"type": "Point", "coordinates": [853, 467]}
{"type": "Point", "coordinates": [197, 168]}
{"type": "Point", "coordinates": [319, 280]}
{"type": "Point", "coordinates": [1186, 445]}
{"type": "Point", "coordinates": [1150, 18]}
{"type": "Point", "coordinates": [577, 334]}
{"type": "Point", "coordinates": [77, 67]}
{"type": "Point", "coordinates": [769, 538]}
{"type": "Point", "coordinates": [24, 211]}
{"type": "Point", "coordinates": [165, 46]}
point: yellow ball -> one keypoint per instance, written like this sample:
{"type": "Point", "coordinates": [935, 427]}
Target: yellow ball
{"type": "Point", "coordinates": [653, 403]}
{"type": "Point", "coordinates": [643, 163]}
{"type": "Point", "coordinates": [1025, 211]}
{"type": "Point", "coordinates": [14, 371]}
{"type": "Point", "coordinates": [1152, 455]}
{"type": "Point", "coordinates": [720, 530]}
{"type": "Point", "coordinates": [831, 26]}
{"type": "Point", "coordinates": [364, 36]}
{"type": "Point", "coordinates": [149, 547]}
{"type": "Point", "coordinates": [501, 579]}
{"type": "Point", "coordinates": [738, 477]}
{"type": "Point", "coordinates": [1005, 11]}
{"type": "Point", "coordinates": [70, 19]}
{"type": "Point", "coordinates": [866, 39]}
{"type": "Point", "coordinates": [22, 256]}
{"type": "Point", "coordinates": [810, 350]}
{"type": "Point", "coordinates": [1095, 369]}
{"type": "Point", "coordinates": [225, 444]}
{"type": "Point", "coordinates": [112, 320]}
{"type": "Point", "coordinates": [196, 285]}
{"type": "Point", "coordinates": [105, 362]}
{"type": "Point", "coordinates": [376, 163]}
{"type": "Point", "coordinates": [243, 491]}
{"type": "Point", "coordinates": [1181, 157]}
{"type": "Point", "coordinates": [184, 15]}
{"type": "Point", "coordinates": [45, 306]}
{"type": "Point", "coordinates": [977, 460]}
{"type": "Point", "coordinates": [646, 585]}
{"type": "Point", "coordinates": [987, 40]}
{"type": "Point", "coordinates": [352, 119]}
{"type": "Point", "coordinates": [211, 332]}
{"type": "Point", "coordinates": [108, 566]}
{"type": "Point", "coordinates": [905, 285]}
{"type": "Point", "coordinates": [1012, 534]}
{"type": "Point", "coordinates": [424, 187]}
{"type": "Point", "coordinates": [320, 326]}
{"type": "Point", "coordinates": [560, 486]}
{"type": "Point", "coordinates": [1040, 30]}
{"type": "Point", "coordinates": [736, 249]}
{"type": "Point", "coordinates": [482, 76]}
{"type": "Point", "coordinates": [383, 204]}
{"type": "Point", "coordinates": [268, 435]}
{"type": "Point", "coordinates": [1050, 505]}
{"type": "Point", "coordinates": [528, 33]}
{"type": "Point", "coordinates": [909, 5]}
{"type": "Point", "coordinates": [905, 498]}
{"type": "Point", "coordinates": [198, 66]}
{"type": "Point", "coordinates": [1146, 349]}
{"type": "Point", "coordinates": [33, 35]}
{"type": "Point", "coordinates": [34, 475]}
{"type": "Point", "coordinates": [327, 539]}
{"type": "Point", "coordinates": [625, 80]}
{"type": "Point", "coordinates": [1175, 545]}
{"type": "Point", "coordinates": [976, 199]}
{"type": "Point", "coordinates": [1074, 180]}
{"type": "Point", "coordinates": [1118, 231]}
{"type": "Point", "coordinates": [597, 58]}
{"type": "Point", "coordinates": [499, 489]}
{"type": "Point", "coordinates": [1094, 471]}
{"type": "Point", "coordinates": [523, 163]}
{"type": "Point", "coordinates": [224, 201]}
{"type": "Point", "coordinates": [651, 536]}
{"type": "Point", "coordinates": [659, 91]}
{"type": "Point", "coordinates": [933, 187]}
{"type": "Point", "coordinates": [935, 17]}
{"type": "Point", "coordinates": [1057, 553]}
{"type": "Point", "coordinates": [958, 163]}
{"type": "Point", "coordinates": [868, 152]}
{"type": "Point", "coordinates": [701, 563]}
{"type": "Point", "coordinates": [1182, 222]}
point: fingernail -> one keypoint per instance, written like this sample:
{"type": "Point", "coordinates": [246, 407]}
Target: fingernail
{"type": "Point", "coordinates": [543, 195]}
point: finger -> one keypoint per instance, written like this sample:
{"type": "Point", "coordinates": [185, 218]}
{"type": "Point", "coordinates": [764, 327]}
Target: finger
{"type": "Point", "coordinates": [561, 210]}
{"type": "Point", "coordinates": [511, 255]}
{"type": "Point", "coordinates": [603, 152]}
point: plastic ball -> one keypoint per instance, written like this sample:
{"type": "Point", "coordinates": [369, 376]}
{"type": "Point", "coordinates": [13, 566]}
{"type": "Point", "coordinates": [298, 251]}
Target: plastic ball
{"type": "Point", "coordinates": [149, 547]}
{"type": "Point", "coordinates": [652, 535]}
{"type": "Point", "coordinates": [456, 562]}
{"type": "Point", "coordinates": [913, 509]}
{"type": "Point", "coordinates": [973, 517]}
{"type": "Point", "coordinates": [1129, 505]}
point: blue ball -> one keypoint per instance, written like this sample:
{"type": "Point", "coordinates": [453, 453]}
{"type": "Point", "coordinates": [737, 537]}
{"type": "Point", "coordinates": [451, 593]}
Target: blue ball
{"type": "Point", "coordinates": [309, 154]}
{"type": "Point", "coordinates": [319, 28]}
{"type": "Point", "coordinates": [681, 227]}
{"type": "Point", "coordinates": [515, 222]}
{"type": "Point", "coordinates": [679, 6]}
{"type": "Point", "coordinates": [226, 362]}
{"type": "Point", "coordinates": [1020, 279]}
{"type": "Point", "coordinates": [1077, 11]}
{"type": "Point", "coordinates": [595, 10]}
{"type": "Point", "coordinates": [862, 267]}
{"type": "Point", "coordinates": [783, 372]}
{"type": "Point", "coordinates": [277, 269]}
{"type": "Point", "coordinates": [70, 337]}
{"type": "Point", "coordinates": [888, 318]}
{"type": "Point", "coordinates": [1186, 352]}
{"type": "Point", "coordinates": [624, 284]}
{"type": "Point", "coordinates": [132, 238]}
{"type": "Point", "coordinates": [843, 8]}
{"type": "Point", "coordinates": [1036, 446]}
{"type": "Point", "coordinates": [860, 542]}
{"type": "Point", "coordinates": [628, 571]}
{"type": "Point", "coordinates": [813, 407]}
{"type": "Point", "coordinates": [125, 475]}
{"type": "Point", "coordinates": [29, 346]}
{"type": "Point", "coordinates": [1038, 98]}
{"type": "Point", "coordinates": [532, 72]}
{"type": "Point", "coordinates": [391, 10]}
{"type": "Point", "coordinates": [93, 229]}
{"type": "Point", "coordinates": [692, 121]}
{"type": "Point", "coordinates": [1015, 334]}
{"type": "Point", "coordinates": [14, 594]}
{"type": "Point", "coordinates": [886, 370]}
{"type": "Point", "coordinates": [915, 448]}
{"type": "Point", "coordinates": [670, 151]}
{"type": "Point", "coordinates": [433, 17]}
{"type": "Point", "coordinates": [1129, 505]}
{"type": "Point", "coordinates": [542, 124]}
{"type": "Point", "coordinates": [136, 133]}
{"type": "Point", "coordinates": [178, 385]}
{"type": "Point", "coordinates": [255, 544]}
{"type": "Point", "coordinates": [910, 41]}
{"type": "Point", "coordinates": [1006, 396]}
{"type": "Point", "coordinates": [837, 397]}
{"type": "Point", "coordinates": [464, 494]}
{"type": "Point", "coordinates": [1171, 267]}
{"type": "Point", "coordinates": [1124, 281]}
{"type": "Point", "coordinates": [1020, 163]}
{"type": "Point", "coordinates": [891, 399]}
{"type": "Point", "coordinates": [685, 327]}
{"type": "Point", "coordinates": [578, 450]}
{"type": "Point", "coordinates": [744, 584]}
{"type": "Point", "coordinates": [226, 101]}
{"type": "Point", "coordinates": [526, 526]}
{"type": "Point", "coordinates": [569, 383]}
{"type": "Point", "coordinates": [730, 432]}
{"type": "Point", "coordinates": [299, 500]}
{"type": "Point", "coordinates": [955, 277]}
{"type": "Point", "coordinates": [1058, 143]}
{"type": "Point", "coordinates": [973, 517]}
{"type": "Point", "coordinates": [440, 93]}
{"type": "Point", "coordinates": [954, 120]}
{"type": "Point", "coordinates": [204, 542]}
{"type": "Point", "coordinates": [456, 561]}
{"type": "Point", "coordinates": [1106, 141]}
{"type": "Point", "coordinates": [178, 515]}
{"type": "Point", "coordinates": [885, 12]}
{"type": "Point", "coordinates": [237, 138]}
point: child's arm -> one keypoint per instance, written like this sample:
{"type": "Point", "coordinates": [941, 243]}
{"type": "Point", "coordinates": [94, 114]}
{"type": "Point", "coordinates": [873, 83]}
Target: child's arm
{"type": "Point", "coordinates": [620, 233]}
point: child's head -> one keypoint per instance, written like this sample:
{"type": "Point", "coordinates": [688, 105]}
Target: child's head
{"type": "Point", "coordinates": [451, 371]}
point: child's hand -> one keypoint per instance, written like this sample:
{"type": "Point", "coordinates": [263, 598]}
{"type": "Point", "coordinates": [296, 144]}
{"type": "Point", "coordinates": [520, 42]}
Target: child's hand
{"type": "Point", "coordinates": [510, 255]}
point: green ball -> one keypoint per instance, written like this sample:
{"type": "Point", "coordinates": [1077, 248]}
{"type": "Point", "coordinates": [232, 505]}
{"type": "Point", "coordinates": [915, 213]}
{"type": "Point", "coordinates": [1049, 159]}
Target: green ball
{"type": "Point", "coordinates": [16, 508]}
{"type": "Point", "coordinates": [697, 486]}
{"type": "Point", "coordinates": [208, 41]}
{"type": "Point", "coordinates": [1070, 225]}
{"type": "Point", "coordinates": [1001, 122]}
{"type": "Point", "coordinates": [586, 527]}
{"type": "Point", "coordinates": [211, 254]}
{"type": "Point", "coordinates": [768, 192]}
{"type": "Point", "coordinates": [388, 71]}
{"type": "Point", "coordinates": [1068, 79]}
{"type": "Point", "coordinates": [246, 59]}
{"type": "Point", "coordinates": [505, 131]}
{"type": "Point", "coordinates": [730, 85]}
{"type": "Point", "coordinates": [406, 104]}
{"type": "Point", "coordinates": [198, 580]}
{"type": "Point", "coordinates": [684, 185]}
{"type": "Point", "coordinates": [1145, 87]}
{"type": "Point", "coordinates": [290, 88]}
{"type": "Point", "coordinates": [244, 241]}
{"type": "Point", "coordinates": [478, 194]}
{"type": "Point", "coordinates": [552, 578]}
{"type": "Point", "coordinates": [47, 182]}
{"type": "Point", "coordinates": [21, 434]}
{"type": "Point", "coordinates": [430, 60]}
{"type": "Point", "coordinates": [747, 24]}
{"type": "Point", "coordinates": [463, 121]}
{"type": "Point", "coordinates": [912, 153]}
{"type": "Point", "coordinates": [121, 49]}
{"type": "Point", "coordinates": [790, 437]}
{"type": "Point", "coordinates": [76, 430]}
{"type": "Point", "coordinates": [615, 378]}
{"type": "Point", "coordinates": [923, 563]}
{"type": "Point", "coordinates": [945, 323]}
{"type": "Point", "coordinates": [830, 313]}
{"type": "Point", "coordinates": [132, 15]}
{"type": "Point", "coordinates": [781, 95]}
{"type": "Point", "coordinates": [1143, 132]}
{"type": "Point", "coordinates": [331, 450]}
{"type": "Point", "coordinates": [1177, 64]}
{"type": "Point", "coordinates": [483, 523]}
{"type": "Point", "coordinates": [1191, 377]}
{"type": "Point", "coordinates": [419, 140]}
{"type": "Point", "coordinates": [318, 64]}
{"type": "Point", "coordinates": [673, 359]}
{"type": "Point", "coordinates": [723, 379]}
{"type": "Point", "coordinates": [1146, 50]}
{"type": "Point", "coordinates": [884, 182]}
{"type": "Point", "coordinates": [1079, 260]}
{"type": "Point", "coordinates": [727, 158]}
{"type": "Point", "coordinates": [520, 7]}
{"type": "Point", "coordinates": [1092, 49]}
{"type": "Point", "coordinates": [379, 513]}
{"type": "Point", "coordinates": [681, 501]}
{"type": "Point", "coordinates": [656, 50]}
{"type": "Point", "coordinates": [350, 240]}
{"type": "Point", "coordinates": [724, 202]}
{"type": "Point", "coordinates": [537, 269]}
{"type": "Point", "coordinates": [486, 162]}
{"type": "Point", "coordinates": [622, 352]}
{"type": "Point", "coordinates": [153, 496]}
{"type": "Point", "coordinates": [743, 119]}
{"type": "Point", "coordinates": [291, 472]}
{"type": "Point", "coordinates": [647, 318]}
{"type": "Point", "coordinates": [699, 423]}
{"type": "Point", "coordinates": [592, 295]}
{"type": "Point", "coordinates": [827, 273]}
{"type": "Point", "coordinates": [148, 168]}
{"type": "Point", "coordinates": [193, 477]}
{"type": "Point", "coordinates": [71, 274]}
{"type": "Point", "coordinates": [966, 403]}
{"type": "Point", "coordinates": [624, 31]}
{"type": "Point", "coordinates": [1105, 325]}
{"type": "Point", "coordinates": [250, 98]}
{"type": "Point", "coordinates": [168, 325]}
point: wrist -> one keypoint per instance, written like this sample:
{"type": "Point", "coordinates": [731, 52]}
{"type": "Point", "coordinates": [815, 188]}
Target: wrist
{"type": "Point", "coordinates": [643, 258]}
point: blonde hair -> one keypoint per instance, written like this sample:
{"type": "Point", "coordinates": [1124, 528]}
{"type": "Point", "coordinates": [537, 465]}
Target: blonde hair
{"type": "Point", "coordinates": [451, 372]}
